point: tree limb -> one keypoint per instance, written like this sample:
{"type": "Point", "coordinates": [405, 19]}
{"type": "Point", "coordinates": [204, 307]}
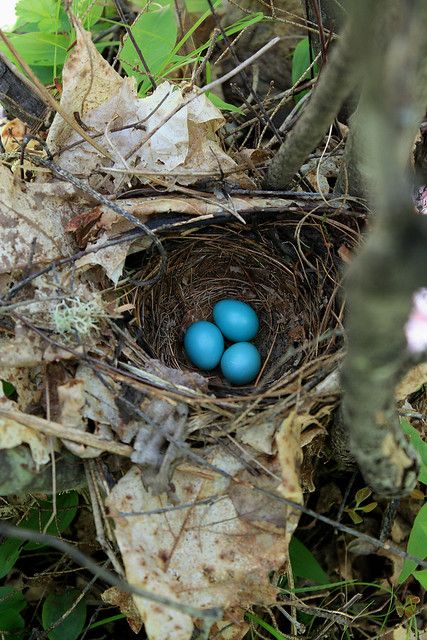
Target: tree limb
{"type": "Point", "coordinates": [393, 262]}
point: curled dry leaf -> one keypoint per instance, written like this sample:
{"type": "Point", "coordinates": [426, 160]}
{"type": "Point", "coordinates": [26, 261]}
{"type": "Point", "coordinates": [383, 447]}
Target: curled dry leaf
{"type": "Point", "coordinates": [87, 397]}
{"type": "Point", "coordinates": [88, 80]}
{"type": "Point", "coordinates": [98, 226]}
{"type": "Point", "coordinates": [219, 550]}
{"type": "Point", "coordinates": [173, 134]}
{"type": "Point", "coordinates": [12, 434]}
{"type": "Point", "coordinates": [126, 605]}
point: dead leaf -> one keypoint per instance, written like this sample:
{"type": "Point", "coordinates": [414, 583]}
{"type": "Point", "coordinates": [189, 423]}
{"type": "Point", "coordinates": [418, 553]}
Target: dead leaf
{"type": "Point", "coordinates": [215, 554]}
{"type": "Point", "coordinates": [31, 223]}
{"type": "Point", "coordinates": [345, 254]}
{"type": "Point", "coordinates": [290, 456]}
{"type": "Point", "coordinates": [88, 81]}
{"type": "Point", "coordinates": [13, 433]}
{"type": "Point", "coordinates": [83, 398]}
{"type": "Point", "coordinates": [126, 605]}
{"type": "Point", "coordinates": [411, 381]}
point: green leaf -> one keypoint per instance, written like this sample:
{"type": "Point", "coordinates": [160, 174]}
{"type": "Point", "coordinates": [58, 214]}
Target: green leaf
{"type": "Point", "coordinates": [268, 627]}
{"type": "Point", "coordinates": [304, 564]}
{"type": "Point", "coordinates": [55, 606]}
{"type": "Point", "coordinates": [155, 32]}
{"type": "Point", "coordinates": [11, 603]}
{"type": "Point", "coordinates": [196, 6]}
{"type": "Point", "coordinates": [10, 551]}
{"type": "Point", "coordinates": [300, 63]}
{"type": "Point", "coordinates": [38, 49]}
{"type": "Point", "coordinates": [88, 11]}
{"type": "Point", "coordinates": [367, 508]}
{"type": "Point", "coordinates": [8, 388]}
{"type": "Point", "coordinates": [354, 516]}
{"type": "Point", "coordinates": [419, 445]}
{"type": "Point", "coordinates": [421, 576]}
{"type": "Point", "coordinates": [363, 494]}
{"type": "Point", "coordinates": [219, 103]}
{"type": "Point", "coordinates": [49, 15]}
{"type": "Point", "coordinates": [39, 516]}
{"type": "Point", "coordinates": [417, 543]}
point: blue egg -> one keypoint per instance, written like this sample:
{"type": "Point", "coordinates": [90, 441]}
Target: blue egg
{"type": "Point", "coordinates": [204, 344]}
{"type": "Point", "coordinates": [241, 363]}
{"type": "Point", "coordinates": [237, 320]}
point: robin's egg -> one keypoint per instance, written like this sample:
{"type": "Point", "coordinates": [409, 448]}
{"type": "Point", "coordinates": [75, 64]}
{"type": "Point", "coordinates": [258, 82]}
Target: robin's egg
{"type": "Point", "coordinates": [241, 363]}
{"type": "Point", "coordinates": [204, 344]}
{"type": "Point", "coordinates": [236, 319]}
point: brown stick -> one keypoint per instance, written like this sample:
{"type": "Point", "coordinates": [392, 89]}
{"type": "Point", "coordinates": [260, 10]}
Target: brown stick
{"type": "Point", "coordinates": [49, 428]}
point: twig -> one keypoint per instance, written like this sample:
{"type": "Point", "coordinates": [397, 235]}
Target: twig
{"type": "Point", "coordinates": [61, 173]}
{"type": "Point", "coordinates": [207, 615]}
{"type": "Point", "coordinates": [50, 100]}
{"type": "Point", "coordinates": [242, 71]}
{"type": "Point", "coordinates": [50, 428]}
{"type": "Point", "coordinates": [338, 78]}
{"type": "Point", "coordinates": [134, 42]}
{"type": "Point", "coordinates": [212, 85]}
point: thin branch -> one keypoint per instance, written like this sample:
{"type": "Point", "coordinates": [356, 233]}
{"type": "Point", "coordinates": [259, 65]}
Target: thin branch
{"type": "Point", "coordinates": [135, 44]}
{"type": "Point", "coordinates": [50, 428]}
{"type": "Point", "coordinates": [335, 83]}
{"type": "Point", "coordinates": [207, 615]}
{"type": "Point", "coordinates": [50, 100]}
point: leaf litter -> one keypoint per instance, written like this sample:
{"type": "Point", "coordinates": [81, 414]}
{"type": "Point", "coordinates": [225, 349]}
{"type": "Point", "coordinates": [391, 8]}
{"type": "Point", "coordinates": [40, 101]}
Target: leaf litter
{"type": "Point", "coordinates": [199, 534]}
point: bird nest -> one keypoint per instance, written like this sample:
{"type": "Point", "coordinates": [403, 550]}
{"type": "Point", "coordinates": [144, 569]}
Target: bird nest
{"type": "Point", "coordinates": [288, 269]}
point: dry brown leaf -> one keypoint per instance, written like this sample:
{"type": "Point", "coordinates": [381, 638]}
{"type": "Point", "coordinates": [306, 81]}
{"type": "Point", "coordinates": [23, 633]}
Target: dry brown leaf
{"type": "Point", "coordinates": [411, 381]}
{"type": "Point", "coordinates": [259, 436]}
{"type": "Point", "coordinates": [31, 222]}
{"type": "Point", "coordinates": [109, 224]}
{"type": "Point", "coordinates": [87, 397]}
{"type": "Point", "coordinates": [215, 554]}
{"type": "Point", "coordinates": [88, 81]}
{"type": "Point", "coordinates": [288, 440]}
{"type": "Point", "coordinates": [13, 433]}
{"type": "Point", "coordinates": [126, 605]}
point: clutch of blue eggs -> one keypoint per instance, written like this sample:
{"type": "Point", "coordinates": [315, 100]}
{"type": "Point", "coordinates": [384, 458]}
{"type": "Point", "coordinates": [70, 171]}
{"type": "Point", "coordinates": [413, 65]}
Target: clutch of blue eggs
{"type": "Point", "coordinates": [204, 344]}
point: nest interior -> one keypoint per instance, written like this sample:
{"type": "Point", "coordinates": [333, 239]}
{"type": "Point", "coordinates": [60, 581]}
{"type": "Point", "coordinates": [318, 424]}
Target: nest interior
{"type": "Point", "coordinates": [288, 269]}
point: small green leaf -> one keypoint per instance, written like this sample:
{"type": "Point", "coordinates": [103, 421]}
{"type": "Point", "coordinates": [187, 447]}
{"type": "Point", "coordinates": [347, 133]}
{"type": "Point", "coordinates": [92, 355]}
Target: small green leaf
{"type": "Point", "coordinates": [304, 564]}
{"type": "Point", "coordinates": [10, 551]}
{"type": "Point", "coordinates": [300, 63]}
{"type": "Point", "coordinates": [419, 445]}
{"type": "Point", "coordinates": [39, 516]}
{"type": "Point", "coordinates": [8, 388]}
{"type": "Point", "coordinates": [219, 103]}
{"type": "Point", "coordinates": [38, 49]}
{"type": "Point", "coordinates": [11, 603]}
{"type": "Point", "coordinates": [55, 606]}
{"type": "Point", "coordinates": [49, 15]}
{"type": "Point", "coordinates": [353, 515]}
{"type": "Point", "coordinates": [155, 32]}
{"type": "Point", "coordinates": [362, 495]}
{"type": "Point", "coordinates": [367, 508]}
{"type": "Point", "coordinates": [88, 11]}
{"type": "Point", "coordinates": [268, 627]}
{"type": "Point", "coordinates": [417, 543]}
{"type": "Point", "coordinates": [421, 576]}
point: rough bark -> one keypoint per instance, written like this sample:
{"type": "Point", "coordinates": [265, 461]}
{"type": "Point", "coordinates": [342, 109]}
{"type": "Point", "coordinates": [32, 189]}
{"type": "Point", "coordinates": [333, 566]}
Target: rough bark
{"type": "Point", "coordinates": [19, 97]}
{"type": "Point", "coordinates": [393, 262]}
